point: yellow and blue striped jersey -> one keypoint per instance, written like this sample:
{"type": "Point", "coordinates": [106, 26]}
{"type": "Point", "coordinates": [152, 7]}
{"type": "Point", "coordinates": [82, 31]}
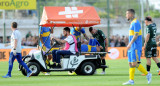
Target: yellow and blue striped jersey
{"type": "Point", "coordinates": [135, 27]}
{"type": "Point", "coordinates": [77, 33]}
{"type": "Point", "coordinates": [45, 32]}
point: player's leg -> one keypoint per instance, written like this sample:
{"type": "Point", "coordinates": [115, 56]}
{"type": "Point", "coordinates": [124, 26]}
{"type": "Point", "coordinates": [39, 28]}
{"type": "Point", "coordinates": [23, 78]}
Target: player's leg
{"type": "Point", "coordinates": [103, 59]}
{"type": "Point", "coordinates": [58, 56]}
{"type": "Point", "coordinates": [154, 57]}
{"type": "Point", "coordinates": [98, 49]}
{"type": "Point", "coordinates": [19, 59]}
{"type": "Point", "coordinates": [148, 55]}
{"type": "Point", "coordinates": [137, 56]}
{"type": "Point", "coordinates": [141, 68]}
{"type": "Point", "coordinates": [131, 71]}
{"type": "Point", "coordinates": [148, 66]}
{"type": "Point", "coordinates": [54, 58]}
{"type": "Point", "coordinates": [103, 63]}
{"type": "Point", "coordinates": [10, 66]}
{"type": "Point", "coordinates": [158, 63]}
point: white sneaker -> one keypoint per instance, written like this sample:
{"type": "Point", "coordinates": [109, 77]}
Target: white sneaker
{"type": "Point", "coordinates": [130, 82]}
{"type": "Point", "coordinates": [103, 73]}
{"type": "Point", "coordinates": [47, 73]}
{"type": "Point", "coordinates": [149, 77]}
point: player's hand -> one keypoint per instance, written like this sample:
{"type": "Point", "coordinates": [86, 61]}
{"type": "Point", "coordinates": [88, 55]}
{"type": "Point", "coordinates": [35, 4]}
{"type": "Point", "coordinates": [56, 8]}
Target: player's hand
{"type": "Point", "coordinates": [106, 49]}
{"type": "Point", "coordinates": [101, 47]}
{"type": "Point", "coordinates": [14, 52]}
{"type": "Point", "coordinates": [52, 38]}
{"type": "Point", "coordinates": [144, 48]}
{"type": "Point", "coordinates": [128, 47]}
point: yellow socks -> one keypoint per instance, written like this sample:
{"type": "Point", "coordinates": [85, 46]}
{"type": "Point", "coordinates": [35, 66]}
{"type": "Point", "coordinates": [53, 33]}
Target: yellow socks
{"type": "Point", "coordinates": [131, 73]}
{"type": "Point", "coordinates": [141, 68]}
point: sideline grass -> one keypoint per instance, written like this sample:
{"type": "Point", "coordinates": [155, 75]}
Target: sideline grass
{"type": "Point", "coordinates": [116, 74]}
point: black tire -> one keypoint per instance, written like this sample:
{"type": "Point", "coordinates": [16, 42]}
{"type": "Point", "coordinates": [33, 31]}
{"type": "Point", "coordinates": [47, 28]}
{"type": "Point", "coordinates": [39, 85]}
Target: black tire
{"type": "Point", "coordinates": [87, 68]}
{"type": "Point", "coordinates": [34, 67]}
{"type": "Point", "coordinates": [24, 72]}
{"type": "Point", "coordinates": [78, 72]}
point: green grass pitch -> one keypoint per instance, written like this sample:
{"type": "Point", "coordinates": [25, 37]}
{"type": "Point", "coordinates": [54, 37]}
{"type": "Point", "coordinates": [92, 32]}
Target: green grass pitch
{"type": "Point", "coordinates": [116, 74]}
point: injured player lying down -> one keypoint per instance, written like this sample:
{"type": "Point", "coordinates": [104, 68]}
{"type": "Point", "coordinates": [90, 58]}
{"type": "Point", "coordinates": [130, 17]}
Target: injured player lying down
{"type": "Point", "coordinates": [93, 46]}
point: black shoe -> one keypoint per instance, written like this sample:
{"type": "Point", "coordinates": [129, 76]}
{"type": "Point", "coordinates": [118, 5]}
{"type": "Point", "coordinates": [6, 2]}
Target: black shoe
{"type": "Point", "coordinates": [53, 66]}
{"type": "Point", "coordinates": [58, 66]}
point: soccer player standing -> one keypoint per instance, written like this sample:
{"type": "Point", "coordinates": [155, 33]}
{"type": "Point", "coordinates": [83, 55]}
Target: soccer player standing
{"type": "Point", "coordinates": [45, 42]}
{"type": "Point", "coordinates": [102, 39]}
{"type": "Point", "coordinates": [16, 51]}
{"type": "Point", "coordinates": [134, 48]}
{"type": "Point", "coordinates": [150, 45]}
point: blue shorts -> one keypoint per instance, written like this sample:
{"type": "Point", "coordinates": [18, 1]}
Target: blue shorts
{"type": "Point", "coordinates": [134, 55]}
{"type": "Point", "coordinates": [84, 48]}
{"type": "Point", "coordinates": [93, 49]}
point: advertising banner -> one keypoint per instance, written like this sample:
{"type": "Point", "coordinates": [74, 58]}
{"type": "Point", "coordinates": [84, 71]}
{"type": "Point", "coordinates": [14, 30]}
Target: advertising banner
{"type": "Point", "coordinates": [18, 4]}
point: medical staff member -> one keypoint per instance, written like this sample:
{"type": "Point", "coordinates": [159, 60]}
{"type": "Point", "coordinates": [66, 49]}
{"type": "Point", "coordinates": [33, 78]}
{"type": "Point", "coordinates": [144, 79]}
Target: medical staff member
{"type": "Point", "coordinates": [16, 51]}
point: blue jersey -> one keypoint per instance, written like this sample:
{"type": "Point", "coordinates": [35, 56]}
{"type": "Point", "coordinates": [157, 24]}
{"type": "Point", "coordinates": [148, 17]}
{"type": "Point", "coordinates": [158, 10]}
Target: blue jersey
{"type": "Point", "coordinates": [77, 33]}
{"type": "Point", "coordinates": [135, 27]}
{"type": "Point", "coordinates": [45, 32]}
{"type": "Point", "coordinates": [91, 47]}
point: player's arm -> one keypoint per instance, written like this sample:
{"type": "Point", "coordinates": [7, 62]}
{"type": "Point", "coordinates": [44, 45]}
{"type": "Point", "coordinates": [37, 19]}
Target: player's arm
{"type": "Point", "coordinates": [105, 40]}
{"type": "Point", "coordinates": [41, 39]}
{"type": "Point", "coordinates": [86, 37]}
{"type": "Point", "coordinates": [41, 32]}
{"type": "Point", "coordinates": [84, 34]}
{"type": "Point", "coordinates": [7, 44]}
{"type": "Point", "coordinates": [52, 30]}
{"type": "Point", "coordinates": [133, 39]}
{"type": "Point", "coordinates": [146, 39]}
{"type": "Point", "coordinates": [106, 43]}
{"type": "Point", "coordinates": [59, 40]}
{"type": "Point", "coordinates": [15, 44]}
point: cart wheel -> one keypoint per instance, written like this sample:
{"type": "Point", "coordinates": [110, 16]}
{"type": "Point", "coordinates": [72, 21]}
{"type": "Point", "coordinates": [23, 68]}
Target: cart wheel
{"type": "Point", "coordinates": [24, 72]}
{"type": "Point", "coordinates": [34, 67]}
{"type": "Point", "coordinates": [88, 68]}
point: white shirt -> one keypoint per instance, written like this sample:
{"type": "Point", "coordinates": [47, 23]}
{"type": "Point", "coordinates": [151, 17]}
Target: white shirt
{"type": "Point", "coordinates": [70, 40]}
{"type": "Point", "coordinates": [16, 35]}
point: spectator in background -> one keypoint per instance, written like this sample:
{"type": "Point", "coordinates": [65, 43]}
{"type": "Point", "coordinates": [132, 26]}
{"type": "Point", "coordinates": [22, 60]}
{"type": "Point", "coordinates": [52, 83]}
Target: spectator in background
{"type": "Point", "coordinates": [1, 40]}
{"type": "Point", "coordinates": [28, 34]}
{"type": "Point", "coordinates": [112, 43]}
{"type": "Point", "coordinates": [28, 42]}
{"type": "Point", "coordinates": [126, 40]}
{"type": "Point", "coordinates": [24, 41]}
{"type": "Point", "coordinates": [8, 40]}
{"type": "Point", "coordinates": [117, 41]}
{"type": "Point", "coordinates": [122, 43]}
{"type": "Point", "coordinates": [34, 41]}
